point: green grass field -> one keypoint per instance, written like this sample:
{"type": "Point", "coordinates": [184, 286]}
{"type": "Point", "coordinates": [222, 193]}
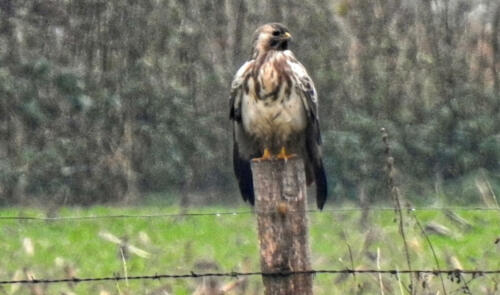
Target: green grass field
{"type": "Point", "coordinates": [85, 248]}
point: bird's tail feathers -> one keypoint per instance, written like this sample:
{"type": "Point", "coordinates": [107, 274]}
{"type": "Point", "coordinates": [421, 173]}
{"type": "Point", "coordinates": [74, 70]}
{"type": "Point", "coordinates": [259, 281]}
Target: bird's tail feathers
{"type": "Point", "coordinates": [243, 172]}
{"type": "Point", "coordinates": [321, 186]}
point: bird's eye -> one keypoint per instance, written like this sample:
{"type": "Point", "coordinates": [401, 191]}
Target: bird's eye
{"type": "Point", "coordinates": [276, 33]}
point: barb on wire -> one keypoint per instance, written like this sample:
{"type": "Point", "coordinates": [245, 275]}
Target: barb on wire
{"type": "Point", "coordinates": [230, 213]}
{"type": "Point", "coordinates": [450, 272]}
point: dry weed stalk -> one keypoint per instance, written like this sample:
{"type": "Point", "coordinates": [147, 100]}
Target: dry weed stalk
{"type": "Point", "coordinates": [394, 190]}
{"type": "Point", "coordinates": [396, 199]}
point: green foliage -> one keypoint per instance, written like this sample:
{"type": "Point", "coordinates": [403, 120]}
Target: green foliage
{"type": "Point", "coordinates": [178, 245]}
{"type": "Point", "coordinates": [100, 101]}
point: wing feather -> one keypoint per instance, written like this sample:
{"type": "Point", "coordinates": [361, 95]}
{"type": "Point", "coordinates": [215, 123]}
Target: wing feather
{"type": "Point", "coordinates": [243, 149]}
{"type": "Point", "coordinates": [237, 91]}
{"type": "Point", "coordinates": [306, 89]}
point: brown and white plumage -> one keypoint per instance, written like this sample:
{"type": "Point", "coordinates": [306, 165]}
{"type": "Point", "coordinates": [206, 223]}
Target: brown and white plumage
{"type": "Point", "coordinates": [274, 105]}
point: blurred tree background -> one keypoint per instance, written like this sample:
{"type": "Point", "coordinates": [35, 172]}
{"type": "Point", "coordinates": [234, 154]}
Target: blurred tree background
{"type": "Point", "coordinates": [112, 100]}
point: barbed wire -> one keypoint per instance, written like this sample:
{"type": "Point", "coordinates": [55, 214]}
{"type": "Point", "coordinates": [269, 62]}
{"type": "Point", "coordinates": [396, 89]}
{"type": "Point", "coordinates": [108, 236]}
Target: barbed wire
{"type": "Point", "coordinates": [450, 272]}
{"type": "Point", "coordinates": [236, 213]}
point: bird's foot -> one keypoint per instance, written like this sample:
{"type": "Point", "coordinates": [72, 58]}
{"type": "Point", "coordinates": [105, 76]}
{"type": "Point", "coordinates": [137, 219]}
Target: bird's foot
{"type": "Point", "coordinates": [284, 156]}
{"type": "Point", "coordinates": [265, 156]}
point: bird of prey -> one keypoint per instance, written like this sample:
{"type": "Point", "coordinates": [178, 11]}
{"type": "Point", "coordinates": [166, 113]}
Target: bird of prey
{"type": "Point", "coordinates": [274, 109]}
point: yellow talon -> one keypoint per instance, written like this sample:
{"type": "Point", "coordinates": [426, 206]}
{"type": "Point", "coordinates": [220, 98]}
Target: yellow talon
{"type": "Point", "coordinates": [283, 155]}
{"type": "Point", "coordinates": [265, 156]}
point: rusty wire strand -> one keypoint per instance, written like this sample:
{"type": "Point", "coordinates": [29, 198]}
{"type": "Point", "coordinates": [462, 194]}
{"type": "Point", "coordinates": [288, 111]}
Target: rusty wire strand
{"type": "Point", "coordinates": [450, 272]}
{"type": "Point", "coordinates": [231, 213]}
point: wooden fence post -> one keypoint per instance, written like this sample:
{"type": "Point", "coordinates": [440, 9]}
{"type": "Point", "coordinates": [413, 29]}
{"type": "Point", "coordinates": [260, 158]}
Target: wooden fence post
{"type": "Point", "coordinates": [280, 202]}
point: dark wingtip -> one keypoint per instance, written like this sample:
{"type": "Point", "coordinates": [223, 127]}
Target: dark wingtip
{"type": "Point", "coordinates": [246, 189]}
{"type": "Point", "coordinates": [243, 173]}
{"type": "Point", "coordinates": [245, 181]}
{"type": "Point", "coordinates": [321, 187]}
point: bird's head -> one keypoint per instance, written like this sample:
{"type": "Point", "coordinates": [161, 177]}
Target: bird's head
{"type": "Point", "coordinates": [273, 36]}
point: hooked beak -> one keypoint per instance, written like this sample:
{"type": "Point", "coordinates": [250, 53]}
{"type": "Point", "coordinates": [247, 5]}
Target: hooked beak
{"type": "Point", "coordinates": [287, 36]}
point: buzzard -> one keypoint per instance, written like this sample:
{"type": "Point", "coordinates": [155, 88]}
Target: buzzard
{"type": "Point", "coordinates": [274, 109]}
